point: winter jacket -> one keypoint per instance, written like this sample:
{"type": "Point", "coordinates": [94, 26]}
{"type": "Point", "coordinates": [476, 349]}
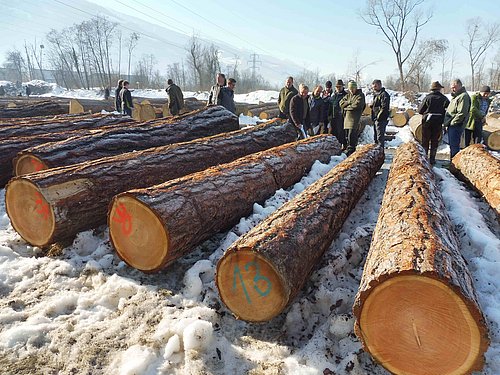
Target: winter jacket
{"type": "Point", "coordinates": [327, 99]}
{"type": "Point", "coordinates": [175, 99]}
{"type": "Point", "coordinates": [380, 106]}
{"type": "Point", "coordinates": [118, 99]}
{"type": "Point", "coordinates": [227, 99]}
{"type": "Point", "coordinates": [316, 112]}
{"type": "Point", "coordinates": [126, 99]}
{"type": "Point", "coordinates": [433, 108]}
{"type": "Point", "coordinates": [457, 112]}
{"type": "Point", "coordinates": [215, 97]}
{"type": "Point", "coordinates": [353, 106]}
{"type": "Point", "coordinates": [335, 110]}
{"type": "Point", "coordinates": [297, 107]}
{"type": "Point", "coordinates": [475, 110]}
{"type": "Point", "coordinates": [286, 95]}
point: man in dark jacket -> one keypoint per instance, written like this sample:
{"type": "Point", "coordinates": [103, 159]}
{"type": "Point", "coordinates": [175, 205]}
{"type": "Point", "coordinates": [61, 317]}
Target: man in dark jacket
{"type": "Point", "coordinates": [299, 111]}
{"type": "Point", "coordinates": [432, 110]}
{"type": "Point", "coordinates": [480, 103]}
{"type": "Point", "coordinates": [316, 112]}
{"type": "Point", "coordinates": [118, 100]}
{"type": "Point", "coordinates": [215, 96]}
{"type": "Point", "coordinates": [335, 113]}
{"type": "Point", "coordinates": [175, 98]}
{"type": "Point", "coordinates": [126, 99]}
{"type": "Point", "coordinates": [286, 95]}
{"type": "Point", "coordinates": [380, 111]}
{"type": "Point", "coordinates": [227, 100]}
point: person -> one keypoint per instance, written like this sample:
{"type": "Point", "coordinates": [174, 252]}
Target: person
{"type": "Point", "coordinates": [456, 115]}
{"type": "Point", "coordinates": [284, 98]}
{"type": "Point", "coordinates": [327, 99]}
{"type": "Point", "coordinates": [299, 111]}
{"type": "Point", "coordinates": [480, 103]}
{"type": "Point", "coordinates": [175, 97]}
{"type": "Point", "coordinates": [126, 99]}
{"type": "Point", "coordinates": [118, 101]}
{"type": "Point", "coordinates": [28, 91]}
{"type": "Point", "coordinates": [2, 91]}
{"type": "Point", "coordinates": [106, 93]}
{"type": "Point", "coordinates": [336, 118]}
{"type": "Point", "coordinates": [352, 105]}
{"type": "Point", "coordinates": [380, 111]}
{"type": "Point", "coordinates": [227, 100]}
{"type": "Point", "coordinates": [316, 112]}
{"type": "Point", "coordinates": [215, 97]}
{"type": "Point", "coordinates": [432, 109]}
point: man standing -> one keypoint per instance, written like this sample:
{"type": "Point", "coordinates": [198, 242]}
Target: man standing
{"type": "Point", "coordinates": [353, 105]}
{"type": "Point", "coordinates": [480, 103]}
{"type": "Point", "coordinates": [118, 100]}
{"type": "Point", "coordinates": [175, 98]}
{"type": "Point", "coordinates": [335, 113]}
{"type": "Point", "coordinates": [432, 110]}
{"type": "Point", "coordinates": [215, 96]}
{"type": "Point", "coordinates": [299, 111]}
{"type": "Point", "coordinates": [456, 115]}
{"type": "Point", "coordinates": [227, 97]}
{"type": "Point", "coordinates": [286, 95]}
{"type": "Point", "coordinates": [126, 99]}
{"type": "Point", "coordinates": [380, 111]}
{"type": "Point", "coordinates": [327, 101]}
{"type": "Point", "coordinates": [316, 112]}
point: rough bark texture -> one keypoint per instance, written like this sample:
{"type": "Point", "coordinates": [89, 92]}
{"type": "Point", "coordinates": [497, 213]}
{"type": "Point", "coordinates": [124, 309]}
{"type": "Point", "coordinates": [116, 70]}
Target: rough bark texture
{"type": "Point", "coordinates": [414, 236]}
{"type": "Point", "coordinates": [99, 180]}
{"type": "Point", "coordinates": [27, 121]}
{"type": "Point", "coordinates": [194, 208]}
{"type": "Point", "coordinates": [199, 124]}
{"type": "Point", "coordinates": [295, 236]}
{"type": "Point", "coordinates": [482, 170]}
{"type": "Point", "coordinates": [91, 105]}
{"type": "Point", "coordinates": [37, 109]}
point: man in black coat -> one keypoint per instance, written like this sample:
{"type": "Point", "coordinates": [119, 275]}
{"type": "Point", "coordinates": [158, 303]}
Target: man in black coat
{"type": "Point", "coordinates": [380, 111]}
{"type": "Point", "coordinates": [126, 99]}
{"type": "Point", "coordinates": [335, 113]}
{"type": "Point", "coordinates": [299, 111]}
{"type": "Point", "coordinates": [227, 95]}
{"type": "Point", "coordinates": [175, 98]}
{"type": "Point", "coordinates": [118, 101]}
{"type": "Point", "coordinates": [433, 109]}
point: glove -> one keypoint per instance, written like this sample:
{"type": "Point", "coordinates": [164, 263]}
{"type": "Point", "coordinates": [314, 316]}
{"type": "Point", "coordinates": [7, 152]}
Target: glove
{"type": "Point", "coordinates": [303, 134]}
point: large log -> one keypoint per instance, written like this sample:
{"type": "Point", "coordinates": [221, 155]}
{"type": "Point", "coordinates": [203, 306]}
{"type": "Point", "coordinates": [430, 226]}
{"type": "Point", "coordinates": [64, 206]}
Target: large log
{"type": "Point", "coordinates": [491, 137]}
{"type": "Point", "coordinates": [150, 228]}
{"type": "Point", "coordinates": [415, 124]}
{"type": "Point", "coordinates": [262, 272]}
{"type": "Point", "coordinates": [27, 121]}
{"type": "Point", "coordinates": [77, 197]}
{"type": "Point", "coordinates": [400, 119]}
{"type": "Point", "coordinates": [482, 170]}
{"type": "Point", "coordinates": [256, 111]}
{"type": "Point", "coordinates": [91, 105]}
{"type": "Point", "coordinates": [44, 108]}
{"type": "Point", "coordinates": [198, 124]}
{"type": "Point", "coordinates": [416, 309]}
{"type": "Point", "coordinates": [269, 113]}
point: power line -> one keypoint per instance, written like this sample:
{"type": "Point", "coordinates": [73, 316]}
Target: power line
{"type": "Point", "coordinates": [254, 62]}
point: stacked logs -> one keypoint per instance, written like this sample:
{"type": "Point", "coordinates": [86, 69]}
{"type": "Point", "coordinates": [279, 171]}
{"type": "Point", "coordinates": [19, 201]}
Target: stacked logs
{"type": "Point", "coordinates": [491, 132]}
{"type": "Point", "coordinates": [262, 272]}
{"type": "Point", "coordinates": [44, 108]}
{"type": "Point", "coordinates": [416, 310]}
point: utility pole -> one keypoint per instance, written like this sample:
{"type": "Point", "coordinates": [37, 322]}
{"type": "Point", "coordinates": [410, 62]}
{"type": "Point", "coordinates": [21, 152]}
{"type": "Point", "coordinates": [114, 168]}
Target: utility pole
{"type": "Point", "coordinates": [254, 61]}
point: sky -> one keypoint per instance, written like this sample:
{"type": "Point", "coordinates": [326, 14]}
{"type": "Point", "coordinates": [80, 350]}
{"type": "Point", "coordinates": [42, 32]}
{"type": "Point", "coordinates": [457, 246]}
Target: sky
{"type": "Point", "coordinates": [321, 35]}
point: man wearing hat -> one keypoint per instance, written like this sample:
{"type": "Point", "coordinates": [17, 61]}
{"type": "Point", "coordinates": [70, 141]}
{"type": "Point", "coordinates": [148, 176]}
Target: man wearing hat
{"type": "Point", "coordinates": [480, 103]}
{"type": "Point", "coordinates": [432, 109]}
{"type": "Point", "coordinates": [456, 115]}
{"type": "Point", "coordinates": [353, 105]}
{"type": "Point", "coordinates": [335, 113]}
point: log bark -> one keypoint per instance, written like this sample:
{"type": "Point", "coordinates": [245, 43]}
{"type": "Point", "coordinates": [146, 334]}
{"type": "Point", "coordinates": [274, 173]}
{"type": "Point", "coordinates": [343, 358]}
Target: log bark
{"type": "Point", "coordinates": [77, 197]}
{"type": "Point", "coordinates": [271, 263]}
{"type": "Point", "coordinates": [38, 109]}
{"type": "Point", "coordinates": [170, 219]}
{"type": "Point", "coordinates": [481, 169]}
{"type": "Point", "coordinates": [416, 309]}
{"type": "Point", "coordinates": [198, 124]}
{"type": "Point", "coordinates": [415, 124]}
{"type": "Point", "coordinates": [91, 105]}
{"type": "Point", "coordinates": [27, 121]}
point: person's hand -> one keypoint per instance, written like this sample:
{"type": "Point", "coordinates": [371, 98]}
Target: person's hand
{"type": "Point", "coordinates": [303, 134]}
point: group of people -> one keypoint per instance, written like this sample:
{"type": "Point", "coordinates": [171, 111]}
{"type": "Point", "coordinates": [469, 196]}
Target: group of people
{"type": "Point", "coordinates": [123, 98]}
{"type": "Point", "coordinates": [222, 93]}
{"type": "Point", "coordinates": [335, 112]}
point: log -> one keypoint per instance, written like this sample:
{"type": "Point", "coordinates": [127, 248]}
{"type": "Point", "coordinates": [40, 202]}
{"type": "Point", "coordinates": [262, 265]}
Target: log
{"type": "Point", "coordinates": [415, 124]}
{"type": "Point", "coordinates": [491, 137]}
{"type": "Point", "coordinates": [263, 271]}
{"type": "Point", "coordinates": [416, 310]}
{"type": "Point", "coordinates": [150, 228]}
{"type": "Point", "coordinates": [493, 120]}
{"type": "Point", "coordinates": [400, 119]}
{"type": "Point", "coordinates": [27, 121]}
{"type": "Point", "coordinates": [256, 111]}
{"type": "Point", "coordinates": [91, 105]}
{"type": "Point", "coordinates": [77, 197]}
{"type": "Point", "coordinates": [363, 121]}
{"type": "Point", "coordinates": [480, 169]}
{"type": "Point", "coordinates": [198, 124]}
{"type": "Point", "coordinates": [269, 113]}
{"type": "Point", "coordinates": [410, 112]}
{"type": "Point", "coordinates": [45, 108]}
{"type": "Point", "coordinates": [367, 111]}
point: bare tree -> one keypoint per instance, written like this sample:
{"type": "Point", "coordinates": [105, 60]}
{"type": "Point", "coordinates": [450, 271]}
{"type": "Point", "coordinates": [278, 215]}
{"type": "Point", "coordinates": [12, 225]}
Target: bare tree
{"type": "Point", "coordinates": [494, 71]}
{"type": "Point", "coordinates": [15, 61]}
{"type": "Point", "coordinates": [195, 60]}
{"type": "Point", "coordinates": [132, 43]}
{"type": "Point", "coordinates": [356, 67]}
{"type": "Point", "coordinates": [211, 62]}
{"type": "Point", "coordinates": [401, 22]}
{"type": "Point", "coordinates": [419, 62]}
{"type": "Point", "coordinates": [478, 40]}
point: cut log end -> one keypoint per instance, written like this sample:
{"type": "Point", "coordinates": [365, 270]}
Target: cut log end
{"type": "Point", "coordinates": [137, 234]}
{"type": "Point", "coordinates": [28, 164]}
{"type": "Point", "coordinates": [434, 329]}
{"type": "Point", "coordinates": [250, 286]}
{"type": "Point", "coordinates": [30, 214]}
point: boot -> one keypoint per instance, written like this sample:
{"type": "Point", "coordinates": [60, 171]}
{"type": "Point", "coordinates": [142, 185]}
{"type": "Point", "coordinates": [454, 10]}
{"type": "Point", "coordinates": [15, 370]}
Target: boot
{"type": "Point", "coordinates": [433, 156]}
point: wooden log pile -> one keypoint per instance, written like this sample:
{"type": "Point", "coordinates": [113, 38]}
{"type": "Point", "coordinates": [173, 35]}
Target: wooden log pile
{"type": "Point", "coordinates": [90, 105]}
{"type": "Point", "coordinates": [256, 111]}
{"type": "Point", "coordinates": [416, 309]}
{"type": "Point", "coordinates": [263, 271]}
{"type": "Point", "coordinates": [150, 228]}
{"type": "Point", "coordinates": [44, 108]}
{"type": "Point", "coordinates": [76, 197]}
{"type": "Point", "coordinates": [491, 132]}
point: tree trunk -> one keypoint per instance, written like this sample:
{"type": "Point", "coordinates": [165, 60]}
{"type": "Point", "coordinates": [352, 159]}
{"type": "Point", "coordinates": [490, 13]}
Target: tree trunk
{"type": "Point", "coordinates": [38, 109]}
{"type": "Point", "coordinates": [400, 119]}
{"type": "Point", "coordinates": [89, 105]}
{"type": "Point", "coordinates": [77, 196]}
{"type": "Point", "coordinates": [481, 169]}
{"type": "Point", "coordinates": [262, 272]}
{"type": "Point", "coordinates": [150, 228]}
{"type": "Point", "coordinates": [416, 310]}
{"type": "Point", "coordinates": [203, 123]}
{"type": "Point", "coordinates": [256, 111]}
{"type": "Point", "coordinates": [269, 113]}
{"type": "Point", "coordinates": [491, 137]}
{"type": "Point", "coordinates": [39, 120]}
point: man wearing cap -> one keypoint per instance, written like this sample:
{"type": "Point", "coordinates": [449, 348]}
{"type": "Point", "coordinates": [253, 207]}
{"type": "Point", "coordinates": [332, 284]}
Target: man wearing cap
{"type": "Point", "coordinates": [432, 109]}
{"type": "Point", "coordinates": [335, 113]}
{"type": "Point", "coordinates": [456, 115]}
{"type": "Point", "coordinates": [353, 105]}
{"type": "Point", "coordinates": [380, 111]}
{"type": "Point", "coordinates": [480, 103]}
{"type": "Point", "coordinates": [285, 96]}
